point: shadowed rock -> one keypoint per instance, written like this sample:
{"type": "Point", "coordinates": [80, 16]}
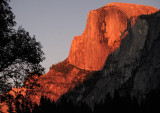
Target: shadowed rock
{"type": "Point", "coordinates": [134, 68]}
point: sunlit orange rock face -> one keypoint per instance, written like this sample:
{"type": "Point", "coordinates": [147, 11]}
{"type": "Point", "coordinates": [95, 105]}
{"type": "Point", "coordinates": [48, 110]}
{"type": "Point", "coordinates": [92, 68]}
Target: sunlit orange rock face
{"type": "Point", "coordinates": [105, 29]}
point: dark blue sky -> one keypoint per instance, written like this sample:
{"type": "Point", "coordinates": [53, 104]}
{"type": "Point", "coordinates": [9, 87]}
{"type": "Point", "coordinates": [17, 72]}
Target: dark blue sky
{"type": "Point", "coordinates": [56, 22]}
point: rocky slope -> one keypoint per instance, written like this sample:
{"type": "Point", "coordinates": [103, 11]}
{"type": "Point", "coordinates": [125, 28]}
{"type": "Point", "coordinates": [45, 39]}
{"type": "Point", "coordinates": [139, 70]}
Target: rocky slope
{"type": "Point", "coordinates": [133, 68]}
{"type": "Point", "coordinates": [105, 29]}
{"type": "Point", "coordinates": [61, 78]}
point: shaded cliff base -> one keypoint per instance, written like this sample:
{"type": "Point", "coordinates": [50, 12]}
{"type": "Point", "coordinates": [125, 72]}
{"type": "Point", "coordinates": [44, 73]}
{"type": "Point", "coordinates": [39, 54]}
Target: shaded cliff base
{"type": "Point", "coordinates": [111, 104]}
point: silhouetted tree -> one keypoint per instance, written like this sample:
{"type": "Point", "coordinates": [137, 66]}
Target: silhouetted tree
{"type": "Point", "coordinates": [45, 106]}
{"type": "Point", "coordinates": [19, 52]}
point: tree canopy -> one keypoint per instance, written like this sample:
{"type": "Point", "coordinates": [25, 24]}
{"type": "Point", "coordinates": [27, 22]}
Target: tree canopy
{"type": "Point", "coordinates": [20, 53]}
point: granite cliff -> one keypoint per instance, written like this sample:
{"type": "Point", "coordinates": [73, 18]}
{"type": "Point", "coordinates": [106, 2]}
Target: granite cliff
{"type": "Point", "coordinates": [105, 29]}
{"type": "Point", "coordinates": [134, 68]}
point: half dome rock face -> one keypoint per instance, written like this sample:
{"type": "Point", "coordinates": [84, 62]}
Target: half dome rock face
{"type": "Point", "coordinates": [105, 29]}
